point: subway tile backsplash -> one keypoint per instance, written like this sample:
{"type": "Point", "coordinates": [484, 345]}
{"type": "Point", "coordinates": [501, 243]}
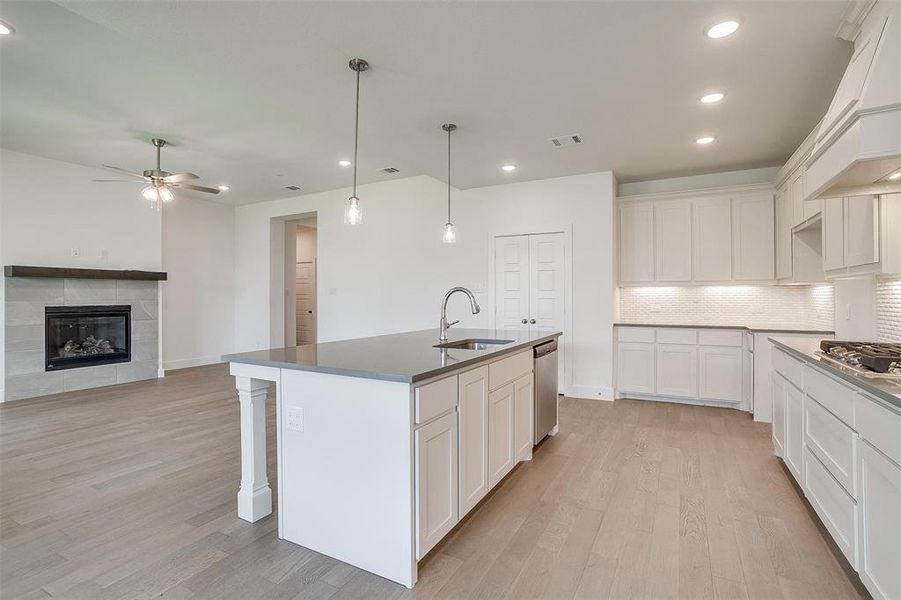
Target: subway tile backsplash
{"type": "Point", "coordinates": [782, 307]}
{"type": "Point", "coordinates": [888, 310]}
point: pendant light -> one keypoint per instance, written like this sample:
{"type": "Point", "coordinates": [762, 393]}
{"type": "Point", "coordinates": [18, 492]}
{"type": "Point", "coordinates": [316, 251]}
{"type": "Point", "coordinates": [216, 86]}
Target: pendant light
{"type": "Point", "coordinates": [450, 234]}
{"type": "Point", "coordinates": [353, 212]}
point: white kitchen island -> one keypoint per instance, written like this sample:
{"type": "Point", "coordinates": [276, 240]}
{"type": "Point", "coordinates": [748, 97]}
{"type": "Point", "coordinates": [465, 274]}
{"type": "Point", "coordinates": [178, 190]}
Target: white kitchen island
{"type": "Point", "coordinates": [384, 443]}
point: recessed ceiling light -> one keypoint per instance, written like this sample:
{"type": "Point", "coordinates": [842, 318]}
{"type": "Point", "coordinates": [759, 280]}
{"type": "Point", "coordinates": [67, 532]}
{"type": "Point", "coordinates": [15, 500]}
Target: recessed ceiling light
{"type": "Point", "coordinates": [223, 188]}
{"type": "Point", "coordinates": [6, 28]}
{"type": "Point", "coordinates": [712, 97]}
{"type": "Point", "coordinates": [703, 141]}
{"type": "Point", "coordinates": [895, 176]}
{"type": "Point", "coordinates": [344, 163]}
{"type": "Point", "coordinates": [721, 30]}
{"type": "Point", "coordinates": [508, 168]}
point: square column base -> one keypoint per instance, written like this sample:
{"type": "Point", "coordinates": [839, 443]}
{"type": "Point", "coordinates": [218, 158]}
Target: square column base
{"type": "Point", "coordinates": [253, 506]}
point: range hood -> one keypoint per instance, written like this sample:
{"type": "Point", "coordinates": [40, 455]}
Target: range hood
{"type": "Point", "coordinates": [858, 144]}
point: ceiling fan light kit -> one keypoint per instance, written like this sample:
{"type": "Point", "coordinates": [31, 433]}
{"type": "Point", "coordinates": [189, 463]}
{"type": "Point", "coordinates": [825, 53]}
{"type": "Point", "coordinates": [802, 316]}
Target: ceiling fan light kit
{"type": "Point", "coordinates": [161, 183]}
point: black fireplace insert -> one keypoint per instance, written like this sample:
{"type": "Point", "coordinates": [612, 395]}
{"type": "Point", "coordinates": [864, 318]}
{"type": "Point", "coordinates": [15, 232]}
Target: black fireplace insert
{"type": "Point", "coordinates": [83, 336]}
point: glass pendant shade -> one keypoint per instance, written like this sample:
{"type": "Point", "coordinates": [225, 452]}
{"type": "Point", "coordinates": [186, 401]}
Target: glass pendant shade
{"type": "Point", "coordinates": [450, 234]}
{"type": "Point", "coordinates": [353, 212]}
{"type": "Point", "coordinates": [157, 195]}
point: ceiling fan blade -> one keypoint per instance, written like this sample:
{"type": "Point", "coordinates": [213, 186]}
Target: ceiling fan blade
{"type": "Point", "coordinates": [123, 171]}
{"type": "Point", "coordinates": [177, 177]}
{"type": "Point", "coordinates": [116, 180]}
{"type": "Point", "coordinates": [196, 188]}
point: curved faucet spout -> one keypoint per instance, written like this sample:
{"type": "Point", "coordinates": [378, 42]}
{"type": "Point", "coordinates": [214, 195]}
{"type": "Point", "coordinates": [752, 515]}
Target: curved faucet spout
{"type": "Point", "coordinates": [473, 303]}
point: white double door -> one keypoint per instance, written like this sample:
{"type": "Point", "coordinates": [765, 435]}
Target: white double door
{"type": "Point", "coordinates": [529, 286]}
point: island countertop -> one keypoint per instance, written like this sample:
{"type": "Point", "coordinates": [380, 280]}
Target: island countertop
{"type": "Point", "coordinates": [405, 357]}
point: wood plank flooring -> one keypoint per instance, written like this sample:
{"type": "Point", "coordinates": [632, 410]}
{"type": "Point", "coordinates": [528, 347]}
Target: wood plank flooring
{"type": "Point", "coordinates": [129, 492]}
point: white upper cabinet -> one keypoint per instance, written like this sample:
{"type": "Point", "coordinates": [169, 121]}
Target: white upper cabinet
{"type": "Point", "coordinates": [636, 243]}
{"type": "Point", "coordinates": [672, 235]}
{"type": "Point", "coordinates": [752, 238]}
{"type": "Point", "coordinates": [796, 189]}
{"type": "Point", "coordinates": [833, 233]}
{"type": "Point", "coordinates": [712, 232]}
{"type": "Point", "coordinates": [861, 231]}
{"type": "Point", "coordinates": [783, 233]}
{"type": "Point", "coordinates": [859, 235]}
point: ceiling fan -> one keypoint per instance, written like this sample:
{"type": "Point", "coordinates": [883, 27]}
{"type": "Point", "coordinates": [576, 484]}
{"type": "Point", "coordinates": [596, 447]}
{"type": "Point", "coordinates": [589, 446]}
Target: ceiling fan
{"type": "Point", "coordinates": [161, 182]}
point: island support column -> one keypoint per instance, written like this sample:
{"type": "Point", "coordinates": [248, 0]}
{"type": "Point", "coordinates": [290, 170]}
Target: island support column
{"type": "Point", "coordinates": [254, 495]}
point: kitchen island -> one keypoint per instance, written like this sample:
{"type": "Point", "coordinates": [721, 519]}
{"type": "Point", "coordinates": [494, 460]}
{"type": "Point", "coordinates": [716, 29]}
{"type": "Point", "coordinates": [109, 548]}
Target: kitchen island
{"type": "Point", "coordinates": [385, 443]}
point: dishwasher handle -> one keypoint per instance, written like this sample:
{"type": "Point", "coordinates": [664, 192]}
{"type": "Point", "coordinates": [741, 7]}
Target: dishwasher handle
{"type": "Point", "coordinates": [545, 349]}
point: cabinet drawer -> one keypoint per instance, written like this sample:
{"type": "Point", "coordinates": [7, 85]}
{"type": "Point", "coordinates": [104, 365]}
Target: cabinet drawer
{"type": "Point", "coordinates": [508, 369]}
{"type": "Point", "coordinates": [835, 507]}
{"type": "Point", "coordinates": [833, 442]}
{"type": "Point", "coordinates": [715, 337]}
{"type": "Point", "coordinates": [838, 399]}
{"type": "Point", "coordinates": [435, 398]}
{"type": "Point", "coordinates": [879, 426]}
{"type": "Point", "coordinates": [790, 368]}
{"type": "Point", "coordinates": [635, 334]}
{"type": "Point", "coordinates": [677, 336]}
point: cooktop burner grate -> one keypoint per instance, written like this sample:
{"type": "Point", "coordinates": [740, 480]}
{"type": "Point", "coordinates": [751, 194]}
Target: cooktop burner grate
{"type": "Point", "coordinates": [879, 357]}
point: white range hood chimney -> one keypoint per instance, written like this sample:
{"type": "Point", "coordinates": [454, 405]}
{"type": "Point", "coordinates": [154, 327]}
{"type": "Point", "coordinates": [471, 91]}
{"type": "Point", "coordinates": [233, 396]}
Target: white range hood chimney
{"type": "Point", "coordinates": [858, 145]}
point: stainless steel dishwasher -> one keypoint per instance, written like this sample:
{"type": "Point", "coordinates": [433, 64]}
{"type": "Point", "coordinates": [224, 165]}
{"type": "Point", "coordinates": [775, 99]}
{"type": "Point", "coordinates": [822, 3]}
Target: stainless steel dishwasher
{"type": "Point", "coordinates": [545, 389]}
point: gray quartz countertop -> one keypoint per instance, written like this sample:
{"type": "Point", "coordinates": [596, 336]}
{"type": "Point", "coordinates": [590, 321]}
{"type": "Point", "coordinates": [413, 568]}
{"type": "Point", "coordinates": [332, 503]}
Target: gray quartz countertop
{"type": "Point", "coordinates": [885, 389]}
{"type": "Point", "coordinates": [744, 327]}
{"type": "Point", "coordinates": [406, 357]}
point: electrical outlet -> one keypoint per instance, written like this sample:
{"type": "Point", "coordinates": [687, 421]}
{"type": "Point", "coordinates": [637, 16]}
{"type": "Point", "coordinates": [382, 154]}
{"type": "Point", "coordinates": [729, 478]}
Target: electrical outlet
{"type": "Point", "coordinates": [76, 252]}
{"type": "Point", "coordinates": [294, 419]}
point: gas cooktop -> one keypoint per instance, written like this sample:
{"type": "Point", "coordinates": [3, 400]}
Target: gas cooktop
{"type": "Point", "coordinates": [870, 359]}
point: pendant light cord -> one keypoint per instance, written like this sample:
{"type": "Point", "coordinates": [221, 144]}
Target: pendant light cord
{"type": "Point", "coordinates": [356, 131]}
{"type": "Point", "coordinates": [449, 174]}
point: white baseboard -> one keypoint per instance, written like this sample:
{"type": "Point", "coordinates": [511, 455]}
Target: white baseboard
{"type": "Point", "coordinates": [588, 392]}
{"type": "Point", "coordinates": [184, 363]}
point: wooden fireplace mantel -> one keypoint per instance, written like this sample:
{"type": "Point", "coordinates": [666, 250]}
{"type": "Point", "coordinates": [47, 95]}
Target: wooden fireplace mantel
{"type": "Point", "coordinates": [77, 273]}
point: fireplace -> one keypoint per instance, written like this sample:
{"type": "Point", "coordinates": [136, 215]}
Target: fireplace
{"type": "Point", "coordinates": [83, 336]}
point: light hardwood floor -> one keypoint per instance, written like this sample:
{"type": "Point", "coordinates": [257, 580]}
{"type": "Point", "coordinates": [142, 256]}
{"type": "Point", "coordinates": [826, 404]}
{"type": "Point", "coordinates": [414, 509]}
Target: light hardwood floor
{"type": "Point", "coordinates": [129, 492]}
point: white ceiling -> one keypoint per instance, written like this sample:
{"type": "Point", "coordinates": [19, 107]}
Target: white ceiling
{"type": "Point", "coordinates": [258, 95]}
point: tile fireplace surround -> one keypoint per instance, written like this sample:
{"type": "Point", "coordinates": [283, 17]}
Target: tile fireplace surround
{"type": "Point", "coordinates": [25, 300]}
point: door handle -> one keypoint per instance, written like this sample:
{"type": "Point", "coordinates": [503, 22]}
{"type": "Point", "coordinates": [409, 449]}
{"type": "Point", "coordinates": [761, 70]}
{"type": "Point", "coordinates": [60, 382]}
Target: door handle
{"type": "Point", "coordinates": [531, 321]}
{"type": "Point", "coordinates": [524, 321]}
{"type": "Point", "coordinates": [309, 312]}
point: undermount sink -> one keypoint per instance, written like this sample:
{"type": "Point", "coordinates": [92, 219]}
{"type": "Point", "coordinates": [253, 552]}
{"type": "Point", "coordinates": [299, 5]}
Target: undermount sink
{"type": "Point", "coordinates": [473, 344]}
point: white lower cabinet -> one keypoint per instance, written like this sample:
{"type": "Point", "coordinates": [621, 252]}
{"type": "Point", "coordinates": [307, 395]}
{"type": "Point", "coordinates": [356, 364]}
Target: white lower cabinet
{"type": "Point", "coordinates": [794, 430]}
{"type": "Point", "coordinates": [635, 367]}
{"type": "Point", "coordinates": [523, 409]}
{"type": "Point", "coordinates": [473, 416]}
{"type": "Point", "coordinates": [833, 505]}
{"type": "Point", "coordinates": [677, 370]}
{"type": "Point", "coordinates": [720, 373]}
{"type": "Point", "coordinates": [779, 415]}
{"type": "Point", "coordinates": [879, 523]}
{"type": "Point", "coordinates": [436, 479]}
{"type": "Point", "coordinates": [501, 459]}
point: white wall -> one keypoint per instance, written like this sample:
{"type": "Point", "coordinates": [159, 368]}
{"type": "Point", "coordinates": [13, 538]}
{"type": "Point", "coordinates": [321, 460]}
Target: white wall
{"type": "Point", "coordinates": [198, 299]}
{"type": "Point", "coordinates": [389, 274]}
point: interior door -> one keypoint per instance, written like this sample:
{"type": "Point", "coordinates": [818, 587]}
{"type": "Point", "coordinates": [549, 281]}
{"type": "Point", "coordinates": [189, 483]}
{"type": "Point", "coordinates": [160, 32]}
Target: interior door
{"type": "Point", "coordinates": [546, 298]}
{"type": "Point", "coordinates": [305, 301]}
{"type": "Point", "coordinates": [511, 287]}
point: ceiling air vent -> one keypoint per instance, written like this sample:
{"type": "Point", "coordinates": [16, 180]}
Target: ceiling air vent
{"type": "Point", "coordinates": [566, 140]}
{"type": "Point", "coordinates": [293, 188]}
{"type": "Point", "coordinates": [389, 170]}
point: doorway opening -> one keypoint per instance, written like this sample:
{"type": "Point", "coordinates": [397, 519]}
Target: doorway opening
{"type": "Point", "coordinates": [301, 243]}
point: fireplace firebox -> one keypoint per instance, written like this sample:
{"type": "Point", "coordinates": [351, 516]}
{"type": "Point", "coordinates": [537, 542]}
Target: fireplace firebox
{"type": "Point", "coordinates": [83, 336]}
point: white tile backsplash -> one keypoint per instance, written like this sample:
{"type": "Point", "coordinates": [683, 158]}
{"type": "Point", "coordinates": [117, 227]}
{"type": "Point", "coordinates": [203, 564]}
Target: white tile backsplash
{"type": "Point", "coordinates": [888, 310]}
{"type": "Point", "coordinates": [756, 306]}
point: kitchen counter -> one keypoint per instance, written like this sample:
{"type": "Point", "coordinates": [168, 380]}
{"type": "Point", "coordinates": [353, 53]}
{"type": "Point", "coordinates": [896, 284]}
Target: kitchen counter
{"type": "Point", "coordinates": [744, 327]}
{"type": "Point", "coordinates": [887, 390]}
{"type": "Point", "coordinates": [407, 357]}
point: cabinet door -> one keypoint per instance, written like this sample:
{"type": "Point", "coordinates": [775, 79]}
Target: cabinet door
{"type": "Point", "coordinates": [797, 196]}
{"type": "Point", "coordinates": [635, 367]}
{"type": "Point", "coordinates": [672, 240]}
{"type": "Point", "coordinates": [778, 415]}
{"type": "Point", "coordinates": [794, 429]}
{"type": "Point", "coordinates": [473, 409]}
{"type": "Point", "coordinates": [861, 230]}
{"type": "Point", "coordinates": [436, 481]}
{"type": "Point", "coordinates": [523, 408]}
{"type": "Point", "coordinates": [677, 370]}
{"type": "Point", "coordinates": [833, 233]}
{"type": "Point", "coordinates": [636, 243]}
{"type": "Point", "coordinates": [712, 233]}
{"type": "Point", "coordinates": [511, 282]}
{"type": "Point", "coordinates": [783, 234]}
{"type": "Point", "coordinates": [500, 433]}
{"type": "Point", "coordinates": [719, 373]}
{"type": "Point", "coordinates": [752, 238]}
{"type": "Point", "coordinates": [747, 384]}
{"type": "Point", "coordinates": [879, 523]}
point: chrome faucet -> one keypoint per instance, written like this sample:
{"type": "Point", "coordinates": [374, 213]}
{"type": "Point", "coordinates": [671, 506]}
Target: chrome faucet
{"type": "Point", "coordinates": [444, 324]}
